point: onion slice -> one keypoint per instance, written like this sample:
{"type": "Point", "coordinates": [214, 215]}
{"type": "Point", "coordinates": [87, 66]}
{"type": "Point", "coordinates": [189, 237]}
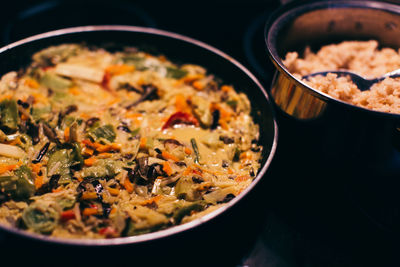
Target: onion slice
{"type": "Point", "coordinates": [11, 151]}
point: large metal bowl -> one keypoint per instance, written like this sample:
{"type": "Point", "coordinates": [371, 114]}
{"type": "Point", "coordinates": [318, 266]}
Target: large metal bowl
{"type": "Point", "coordinates": [355, 146]}
{"type": "Point", "coordinates": [209, 235]}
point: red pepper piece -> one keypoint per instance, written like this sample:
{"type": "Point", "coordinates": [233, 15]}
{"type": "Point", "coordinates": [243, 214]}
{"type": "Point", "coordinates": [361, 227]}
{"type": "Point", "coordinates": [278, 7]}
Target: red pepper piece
{"type": "Point", "coordinates": [106, 80]}
{"type": "Point", "coordinates": [180, 118]}
{"type": "Point", "coordinates": [107, 231]}
{"type": "Point", "coordinates": [67, 215]}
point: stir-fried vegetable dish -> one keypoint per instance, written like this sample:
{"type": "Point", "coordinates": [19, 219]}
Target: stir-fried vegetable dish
{"type": "Point", "coordinates": [100, 144]}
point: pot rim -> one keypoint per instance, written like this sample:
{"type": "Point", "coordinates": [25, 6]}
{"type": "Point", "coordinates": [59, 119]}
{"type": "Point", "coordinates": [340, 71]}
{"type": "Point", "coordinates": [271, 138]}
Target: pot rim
{"type": "Point", "coordinates": [171, 230]}
{"type": "Point", "coordinates": [292, 10]}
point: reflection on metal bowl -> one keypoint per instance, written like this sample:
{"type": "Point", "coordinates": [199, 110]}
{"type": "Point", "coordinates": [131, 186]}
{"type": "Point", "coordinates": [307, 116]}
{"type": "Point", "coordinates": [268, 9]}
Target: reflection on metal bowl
{"type": "Point", "coordinates": [294, 100]}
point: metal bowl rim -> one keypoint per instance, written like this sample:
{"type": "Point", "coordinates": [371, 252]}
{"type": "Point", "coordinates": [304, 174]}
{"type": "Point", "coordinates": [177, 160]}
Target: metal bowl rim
{"type": "Point", "coordinates": [171, 230]}
{"type": "Point", "coordinates": [301, 8]}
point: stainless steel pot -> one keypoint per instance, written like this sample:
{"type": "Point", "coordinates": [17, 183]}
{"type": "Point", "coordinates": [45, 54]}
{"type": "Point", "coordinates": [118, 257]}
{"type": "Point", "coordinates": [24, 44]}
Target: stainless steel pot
{"type": "Point", "coordinates": [355, 146]}
{"type": "Point", "coordinates": [187, 244]}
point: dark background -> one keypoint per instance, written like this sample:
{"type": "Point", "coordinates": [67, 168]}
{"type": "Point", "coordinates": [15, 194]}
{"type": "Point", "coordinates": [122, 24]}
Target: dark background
{"type": "Point", "coordinates": [311, 218]}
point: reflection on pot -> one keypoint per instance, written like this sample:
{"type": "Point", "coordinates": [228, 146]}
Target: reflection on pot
{"type": "Point", "coordinates": [296, 100]}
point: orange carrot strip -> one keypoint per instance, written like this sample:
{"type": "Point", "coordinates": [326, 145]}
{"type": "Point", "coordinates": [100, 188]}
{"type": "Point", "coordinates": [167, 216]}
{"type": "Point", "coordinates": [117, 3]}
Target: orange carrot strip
{"type": "Point", "coordinates": [241, 178]}
{"type": "Point", "coordinates": [5, 168]}
{"type": "Point", "coordinates": [74, 90]}
{"type": "Point", "coordinates": [58, 189]}
{"type": "Point", "coordinates": [198, 85]}
{"type": "Point", "coordinates": [90, 211]}
{"type": "Point", "coordinates": [85, 116]}
{"type": "Point", "coordinates": [245, 155]}
{"type": "Point", "coordinates": [181, 104]}
{"type": "Point", "coordinates": [192, 77]}
{"type": "Point", "coordinates": [128, 185]}
{"type": "Point", "coordinates": [16, 141]}
{"type": "Point", "coordinates": [36, 167]}
{"type": "Point", "coordinates": [39, 98]}
{"type": "Point", "coordinates": [89, 195]}
{"type": "Point", "coordinates": [133, 115]}
{"type": "Point", "coordinates": [116, 146]}
{"type": "Point", "coordinates": [113, 191]}
{"type": "Point", "coordinates": [167, 168]}
{"type": "Point", "coordinates": [24, 117]}
{"type": "Point", "coordinates": [119, 69]}
{"type": "Point", "coordinates": [3, 97]}
{"type": "Point", "coordinates": [187, 171]}
{"type": "Point", "coordinates": [86, 151]}
{"type": "Point", "coordinates": [66, 134]}
{"type": "Point", "coordinates": [167, 155]}
{"type": "Point", "coordinates": [38, 182]}
{"type": "Point", "coordinates": [151, 200]}
{"type": "Point", "coordinates": [90, 161]}
{"type": "Point", "coordinates": [223, 124]}
{"type": "Point", "coordinates": [101, 148]}
{"type": "Point", "coordinates": [188, 151]}
{"type": "Point", "coordinates": [162, 58]}
{"type": "Point", "coordinates": [143, 142]}
{"type": "Point", "coordinates": [104, 148]}
{"type": "Point", "coordinates": [89, 143]}
{"type": "Point", "coordinates": [31, 83]}
{"type": "Point", "coordinates": [226, 88]}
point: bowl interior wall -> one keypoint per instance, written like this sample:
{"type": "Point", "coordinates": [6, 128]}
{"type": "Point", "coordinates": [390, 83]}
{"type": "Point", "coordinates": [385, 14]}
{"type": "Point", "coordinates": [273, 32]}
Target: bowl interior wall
{"type": "Point", "coordinates": [319, 27]}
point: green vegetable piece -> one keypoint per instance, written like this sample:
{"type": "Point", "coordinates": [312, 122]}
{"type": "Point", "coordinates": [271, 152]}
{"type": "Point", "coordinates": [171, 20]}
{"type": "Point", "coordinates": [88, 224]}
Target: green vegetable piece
{"type": "Point", "coordinates": [180, 213]}
{"type": "Point", "coordinates": [8, 185]}
{"type": "Point", "coordinates": [55, 54]}
{"type": "Point", "coordinates": [175, 73]}
{"type": "Point", "coordinates": [201, 109]}
{"type": "Point", "coordinates": [40, 113]}
{"type": "Point", "coordinates": [9, 115]}
{"type": "Point", "coordinates": [68, 120]}
{"type": "Point", "coordinates": [77, 155]}
{"type": "Point", "coordinates": [135, 132]}
{"type": "Point", "coordinates": [196, 151]}
{"type": "Point", "coordinates": [55, 82]}
{"type": "Point", "coordinates": [138, 62]}
{"type": "Point", "coordinates": [131, 230]}
{"type": "Point", "coordinates": [59, 163]}
{"type": "Point", "coordinates": [41, 217]}
{"type": "Point", "coordinates": [232, 103]}
{"type": "Point", "coordinates": [106, 132]}
{"type": "Point", "coordinates": [20, 186]}
{"type": "Point", "coordinates": [184, 189]}
{"type": "Point", "coordinates": [66, 202]}
{"type": "Point", "coordinates": [103, 168]}
{"type": "Point", "coordinates": [150, 142]}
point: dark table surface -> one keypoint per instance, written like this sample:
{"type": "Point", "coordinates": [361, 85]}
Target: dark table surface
{"type": "Point", "coordinates": [311, 215]}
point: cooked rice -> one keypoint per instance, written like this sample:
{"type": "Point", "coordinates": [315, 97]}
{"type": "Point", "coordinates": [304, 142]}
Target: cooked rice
{"type": "Point", "coordinates": [362, 57]}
